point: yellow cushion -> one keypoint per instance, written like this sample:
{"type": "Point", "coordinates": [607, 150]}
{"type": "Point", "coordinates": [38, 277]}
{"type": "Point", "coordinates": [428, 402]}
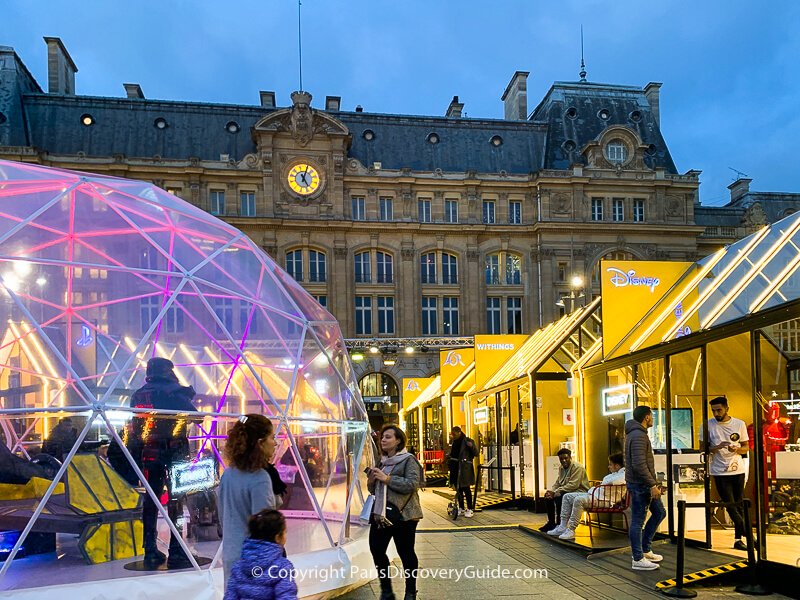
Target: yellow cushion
{"type": "Point", "coordinates": [34, 489]}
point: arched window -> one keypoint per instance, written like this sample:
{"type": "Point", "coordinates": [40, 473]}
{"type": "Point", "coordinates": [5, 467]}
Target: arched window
{"type": "Point", "coordinates": [385, 270]}
{"type": "Point", "coordinates": [294, 264]}
{"type": "Point", "coordinates": [378, 385]}
{"type": "Point", "coordinates": [317, 266]}
{"type": "Point", "coordinates": [363, 269]}
{"type": "Point", "coordinates": [429, 264]}
{"type": "Point", "coordinates": [616, 151]}
{"type": "Point", "coordinates": [503, 268]}
{"type": "Point", "coordinates": [427, 267]}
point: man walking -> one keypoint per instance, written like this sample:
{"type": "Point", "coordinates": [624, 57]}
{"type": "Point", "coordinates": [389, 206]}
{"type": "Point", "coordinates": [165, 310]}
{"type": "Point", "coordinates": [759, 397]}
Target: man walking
{"type": "Point", "coordinates": [462, 468]}
{"type": "Point", "coordinates": [640, 477]}
{"type": "Point", "coordinates": [727, 443]}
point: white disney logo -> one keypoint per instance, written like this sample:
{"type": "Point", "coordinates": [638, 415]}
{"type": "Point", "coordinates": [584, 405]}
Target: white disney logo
{"type": "Point", "coordinates": [621, 279]}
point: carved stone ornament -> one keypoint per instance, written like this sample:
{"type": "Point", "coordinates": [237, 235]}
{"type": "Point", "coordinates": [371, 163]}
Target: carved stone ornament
{"type": "Point", "coordinates": [407, 252]}
{"type": "Point", "coordinates": [755, 216]}
{"type": "Point", "coordinates": [673, 208]}
{"type": "Point", "coordinates": [473, 255]}
{"type": "Point", "coordinates": [561, 203]}
{"type": "Point", "coordinates": [302, 119]}
{"type": "Point", "coordinates": [340, 252]}
{"type": "Point", "coordinates": [251, 161]}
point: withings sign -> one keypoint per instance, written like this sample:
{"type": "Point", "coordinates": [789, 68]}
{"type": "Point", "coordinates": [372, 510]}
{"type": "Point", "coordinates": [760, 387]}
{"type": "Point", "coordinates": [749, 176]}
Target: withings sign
{"type": "Point", "coordinates": [618, 400]}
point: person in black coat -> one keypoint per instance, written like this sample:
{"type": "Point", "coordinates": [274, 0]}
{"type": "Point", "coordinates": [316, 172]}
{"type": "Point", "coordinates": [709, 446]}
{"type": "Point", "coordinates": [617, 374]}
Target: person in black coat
{"type": "Point", "coordinates": [156, 443]}
{"type": "Point", "coordinates": [462, 468]}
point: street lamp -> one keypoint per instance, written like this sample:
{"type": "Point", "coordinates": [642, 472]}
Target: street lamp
{"type": "Point", "coordinates": [575, 291]}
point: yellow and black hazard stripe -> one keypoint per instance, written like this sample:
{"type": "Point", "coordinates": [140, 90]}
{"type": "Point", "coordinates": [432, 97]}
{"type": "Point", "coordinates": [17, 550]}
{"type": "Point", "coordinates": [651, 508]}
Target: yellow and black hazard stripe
{"type": "Point", "coordinates": [487, 500]}
{"type": "Point", "coordinates": [704, 574]}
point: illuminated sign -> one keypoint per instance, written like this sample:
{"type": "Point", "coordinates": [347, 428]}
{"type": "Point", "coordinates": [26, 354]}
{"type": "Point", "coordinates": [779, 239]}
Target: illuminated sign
{"type": "Point", "coordinates": [412, 385]}
{"type": "Point", "coordinates": [495, 346]}
{"type": "Point", "coordinates": [86, 337]}
{"type": "Point", "coordinates": [453, 359]}
{"type": "Point", "coordinates": [620, 278]}
{"type": "Point", "coordinates": [480, 415]}
{"type": "Point", "coordinates": [192, 476]}
{"type": "Point", "coordinates": [618, 400]}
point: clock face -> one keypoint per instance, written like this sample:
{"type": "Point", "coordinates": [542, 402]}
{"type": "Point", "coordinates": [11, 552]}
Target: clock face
{"type": "Point", "coordinates": [304, 179]}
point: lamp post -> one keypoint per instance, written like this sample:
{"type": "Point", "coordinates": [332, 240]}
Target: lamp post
{"type": "Point", "coordinates": [575, 291]}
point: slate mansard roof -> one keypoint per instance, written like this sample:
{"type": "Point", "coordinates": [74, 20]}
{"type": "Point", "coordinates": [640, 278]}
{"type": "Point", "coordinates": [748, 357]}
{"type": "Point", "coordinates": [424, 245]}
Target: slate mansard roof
{"type": "Point", "coordinates": [123, 126]}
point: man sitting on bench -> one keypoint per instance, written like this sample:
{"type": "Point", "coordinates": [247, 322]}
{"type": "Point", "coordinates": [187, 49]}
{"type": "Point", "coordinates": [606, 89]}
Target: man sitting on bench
{"type": "Point", "coordinates": [574, 503]}
{"type": "Point", "coordinates": [571, 478]}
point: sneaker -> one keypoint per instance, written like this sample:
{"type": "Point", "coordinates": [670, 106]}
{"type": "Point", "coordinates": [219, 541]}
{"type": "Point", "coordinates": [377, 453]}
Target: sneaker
{"type": "Point", "coordinates": [461, 512]}
{"type": "Point", "coordinates": [740, 545]}
{"type": "Point", "coordinates": [643, 565]}
{"type": "Point", "coordinates": [567, 535]}
{"type": "Point", "coordinates": [468, 513]}
{"type": "Point", "coordinates": [653, 557]}
{"type": "Point", "coordinates": [557, 530]}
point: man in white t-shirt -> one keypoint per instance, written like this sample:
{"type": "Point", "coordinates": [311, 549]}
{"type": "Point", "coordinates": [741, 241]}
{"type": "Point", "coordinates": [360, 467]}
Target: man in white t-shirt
{"type": "Point", "coordinates": [727, 443]}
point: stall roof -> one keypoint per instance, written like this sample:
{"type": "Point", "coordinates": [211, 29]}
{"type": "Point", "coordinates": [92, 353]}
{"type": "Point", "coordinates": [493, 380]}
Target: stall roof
{"type": "Point", "coordinates": [756, 273]}
{"type": "Point", "coordinates": [434, 390]}
{"type": "Point", "coordinates": [537, 349]}
{"type": "Point", "coordinates": [463, 381]}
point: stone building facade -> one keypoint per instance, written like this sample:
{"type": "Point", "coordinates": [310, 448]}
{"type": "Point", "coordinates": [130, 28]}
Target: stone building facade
{"type": "Point", "coordinates": [403, 226]}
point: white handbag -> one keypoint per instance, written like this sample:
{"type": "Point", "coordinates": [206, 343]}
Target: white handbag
{"type": "Point", "coordinates": [366, 511]}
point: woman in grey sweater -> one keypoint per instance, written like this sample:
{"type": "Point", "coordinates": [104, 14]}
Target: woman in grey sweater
{"type": "Point", "coordinates": [397, 510]}
{"type": "Point", "coordinates": [245, 488]}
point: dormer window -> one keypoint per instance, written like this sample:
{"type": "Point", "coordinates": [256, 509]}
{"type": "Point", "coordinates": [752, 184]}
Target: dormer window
{"type": "Point", "coordinates": [616, 152]}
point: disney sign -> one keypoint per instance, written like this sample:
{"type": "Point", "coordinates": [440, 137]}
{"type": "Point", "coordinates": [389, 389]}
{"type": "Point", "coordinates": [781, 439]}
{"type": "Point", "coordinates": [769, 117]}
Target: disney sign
{"type": "Point", "coordinates": [620, 278]}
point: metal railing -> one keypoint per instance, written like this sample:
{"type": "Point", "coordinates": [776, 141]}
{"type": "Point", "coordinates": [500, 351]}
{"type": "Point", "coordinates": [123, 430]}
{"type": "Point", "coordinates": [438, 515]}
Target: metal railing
{"type": "Point", "coordinates": [752, 587]}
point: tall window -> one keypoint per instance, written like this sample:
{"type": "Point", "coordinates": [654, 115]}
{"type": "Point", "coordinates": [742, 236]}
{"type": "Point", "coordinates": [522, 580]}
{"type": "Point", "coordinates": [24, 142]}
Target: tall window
{"type": "Point", "coordinates": [294, 264]}
{"type": "Point", "coordinates": [514, 315]}
{"type": "Point", "coordinates": [217, 202]}
{"type": "Point", "coordinates": [248, 319]}
{"type": "Point", "coordinates": [386, 212]}
{"type": "Point", "coordinates": [488, 212]}
{"type": "Point", "coordinates": [173, 321]}
{"type": "Point", "coordinates": [511, 265]}
{"type": "Point", "coordinates": [619, 209]}
{"type": "Point", "coordinates": [493, 315]}
{"type": "Point", "coordinates": [386, 315]}
{"type": "Point", "coordinates": [515, 212]}
{"type": "Point", "coordinates": [429, 315]}
{"type": "Point", "coordinates": [562, 271]}
{"type": "Point", "coordinates": [424, 207]}
{"type": "Point", "coordinates": [363, 271]}
{"type": "Point", "coordinates": [384, 269]}
{"type": "Point", "coordinates": [449, 269]}
{"type": "Point", "coordinates": [317, 267]}
{"type": "Point", "coordinates": [247, 204]}
{"type": "Point", "coordinates": [223, 308]}
{"type": "Point", "coordinates": [451, 211]}
{"type": "Point", "coordinates": [149, 309]}
{"type": "Point", "coordinates": [359, 210]}
{"type": "Point", "coordinates": [638, 211]}
{"type": "Point", "coordinates": [450, 315]}
{"type": "Point", "coordinates": [427, 268]}
{"type": "Point", "coordinates": [597, 209]}
{"type": "Point", "coordinates": [363, 315]}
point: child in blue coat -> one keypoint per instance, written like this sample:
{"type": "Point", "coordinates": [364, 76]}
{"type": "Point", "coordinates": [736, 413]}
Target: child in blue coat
{"type": "Point", "coordinates": [263, 572]}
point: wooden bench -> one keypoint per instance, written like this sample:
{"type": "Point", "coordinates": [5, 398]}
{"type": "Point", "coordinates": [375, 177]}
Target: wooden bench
{"type": "Point", "coordinates": [614, 499]}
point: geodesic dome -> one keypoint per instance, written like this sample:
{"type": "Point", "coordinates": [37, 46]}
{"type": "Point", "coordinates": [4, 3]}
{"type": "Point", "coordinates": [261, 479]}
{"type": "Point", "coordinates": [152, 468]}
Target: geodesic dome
{"type": "Point", "coordinates": [99, 274]}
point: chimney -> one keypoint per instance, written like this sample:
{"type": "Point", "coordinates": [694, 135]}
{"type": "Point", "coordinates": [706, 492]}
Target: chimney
{"type": "Point", "coordinates": [515, 97]}
{"type": "Point", "coordinates": [739, 188]}
{"type": "Point", "coordinates": [60, 68]}
{"type": "Point", "coordinates": [134, 91]}
{"type": "Point", "coordinates": [455, 108]}
{"type": "Point", "coordinates": [651, 92]}
{"type": "Point", "coordinates": [333, 103]}
{"type": "Point", "coordinates": [267, 99]}
{"type": "Point", "coordinates": [359, 108]}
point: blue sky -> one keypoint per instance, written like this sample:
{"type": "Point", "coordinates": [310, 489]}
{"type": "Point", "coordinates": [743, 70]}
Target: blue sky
{"type": "Point", "coordinates": [730, 68]}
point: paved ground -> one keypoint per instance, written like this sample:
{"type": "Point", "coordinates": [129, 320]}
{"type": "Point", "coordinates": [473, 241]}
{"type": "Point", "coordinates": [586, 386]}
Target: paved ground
{"type": "Point", "coordinates": [534, 567]}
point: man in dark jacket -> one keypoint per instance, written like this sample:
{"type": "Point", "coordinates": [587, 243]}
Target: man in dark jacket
{"type": "Point", "coordinates": [156, 443]}
{"type": "Point", "coordinates": [640, 477]}
{"type": "Point", "coordinates": [462, 468]}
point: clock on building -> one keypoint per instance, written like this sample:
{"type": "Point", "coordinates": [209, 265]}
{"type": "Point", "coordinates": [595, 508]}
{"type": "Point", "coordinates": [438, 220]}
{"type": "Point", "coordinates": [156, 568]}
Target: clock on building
{"type": "Point", "coordinates": [303, 179]}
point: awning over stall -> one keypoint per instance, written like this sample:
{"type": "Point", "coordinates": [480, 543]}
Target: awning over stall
{"type": "Point", "coordinates": [433, 391]}
{"type": "Point", "coordinates": [541, 346]}
{"type": "Point", "coordinates": [752, 275]}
